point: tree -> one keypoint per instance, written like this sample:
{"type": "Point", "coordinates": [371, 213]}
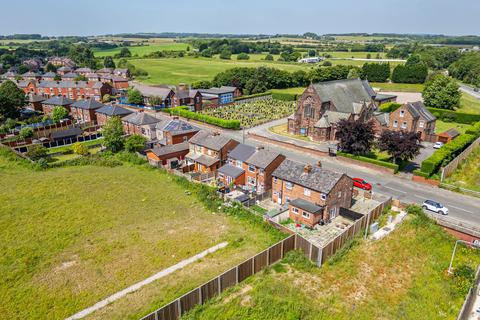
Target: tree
{"type": "Point", "coordinates": [400, 145]}
{"type": "Point", "coordinates": [57, 77]}
{"type": "Point", "coordinates": [327, 63]}
{"type": "Point", "coordinates": [50, 68]}
{"type": "Point", "coordinates": [108, 62]}
{"type": "Point", "coordinates": [312, 53]}
{"type": "Point", "coordinates": [36, 151]}
{"type": "Point", "coordinates": [268, 57]}
{"type": "Point", "coordinates": [376, 72]}
{"type": "Point", "coordinates": [355, 137]}
{"type": "Point", "coordinates": [135, 143]}
{"type": "Point", "coordinates": [441, 92]}
{"type": "Point", "coordinates": [80, 149]}
{"type": "Point", "coordinates": [59, 113]}
{"type": "Point", "coordinates": [112, 133]}
{"type": "Point", "coordinates": [354, 73]}
{"type": "Point", "coordinates": [81, 77]}
{"type": "Point", "coordinates": [155, 101]}
{"type": "Point", "coordinates": [202, 84]}
{"type": "Point", "coordinates": [83, 56]}
{"type": "Point", "coordinates": [26, 132]}
{"type": "Point", "coordinates": [106, 98]}
{"type": "Point", "coordinates": [12, 99]}
{"type": "Point", "coordinates": [414, 71]}
{"type": "Point", "coordinates": [135, 96]}
{"type": "Point", "coordinates": [225, 54]}
{"type": "Point", "coordinates": [124, 53]}
{"type": "Point", "coordinates": [243, 56]}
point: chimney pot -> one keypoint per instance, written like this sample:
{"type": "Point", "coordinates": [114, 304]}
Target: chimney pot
{"type": "Point", "coordinates": [307, 169]}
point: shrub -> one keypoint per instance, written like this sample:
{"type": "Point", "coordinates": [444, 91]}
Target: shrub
{"type": "Point", "coordinates": [59, 113]}
{"type": "Point", "coordinates": [385, 164]}
{"type": "Point", "coordinates": [80, 149]}
{"type": "Point", "coordinates": [36, 152]}
{"type": "Point", "coordinates": [243, 56]}
{"type": "Point", "coordinates": [389, 106]}
{"type": "Point", "coordinates": [474, 130]}
{"type": "Point", "coordinates": [268, 57]}
{"type": "Point", "coordinates": [26, 132]}
{"type": "Point", "coordinates": [463, 279]}
{"type": "Point", "coordinates": [135, 143]}
{"type": "Point", "coordinates": [446, 154]}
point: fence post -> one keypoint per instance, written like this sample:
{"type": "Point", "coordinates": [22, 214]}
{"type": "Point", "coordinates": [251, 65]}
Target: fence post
{"type": "Point", "coordinates": [281, 251]}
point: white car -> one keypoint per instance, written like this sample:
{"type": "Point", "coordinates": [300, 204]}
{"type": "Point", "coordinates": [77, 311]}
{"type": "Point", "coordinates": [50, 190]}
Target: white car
{"type": "Point", "coordinates": [437, 145]}
{"type": "Point", "coordinates": [435, 207]}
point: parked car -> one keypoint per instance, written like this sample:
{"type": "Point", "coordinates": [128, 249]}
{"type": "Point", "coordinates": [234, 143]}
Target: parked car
{"type": "Point", "coordinates": [362, 184]}
{"type": "Point", "coordinates": [437, 145]}
{"type": "Point", "coordinates": [435, 207]}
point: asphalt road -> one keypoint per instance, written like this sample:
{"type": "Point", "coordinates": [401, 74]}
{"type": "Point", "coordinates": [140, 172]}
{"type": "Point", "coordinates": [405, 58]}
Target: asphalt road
{"type": "Point", "coordinates": [470, 91]}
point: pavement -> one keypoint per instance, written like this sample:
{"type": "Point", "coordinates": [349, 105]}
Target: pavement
{"type": "Point", "coordinates": [469, 90]}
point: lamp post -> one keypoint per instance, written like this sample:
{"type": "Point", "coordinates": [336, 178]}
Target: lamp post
{"type": "Point", "coordinates": [474, 244]}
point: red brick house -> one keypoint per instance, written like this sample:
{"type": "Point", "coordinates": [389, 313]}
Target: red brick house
{"type": "Point", "coordinates": [62, 62]}
{"type": "Point", "coordinates": [192, 98]}
{"type": "Point", "coordinates": [49, 76]}
{"type": "Point", "coordinates": [413, 117]}
{"type": "Point", "coordinates": [83, 71]}
{"type": "Point", "coordinates": [103, 114]}
{"type": "Point", "coordinates": [35, 102]}
{"type": "Point", "coordinates": [209, 151]}
{"type": "Point", "coordinates": [49, 104]}
{"type": "Point", "coordinates": [119, 83]}
{"type": "Point", "coordinates": [31, 76]}
{"type": "Point", "coordinates": [75, 90]}
{"type": "Point", "coordinates": [166, 94]}
{"type": "Point", "coordinates": [166, 155]}
{"type": "Point", "coordinates": [314, 194]}
{"type": "Point", "coordinates": [250, 168]}
{"type": "Point", "coordinates": [84, 110]}
{"type": "Point", "coordinates": [124, 73]}
{"type": "Point", "coordinates": [64, 70]}
{"type": "Point", "coordinates": [140, 123]}
{"type": "Point", "coordinates": [173, 130]}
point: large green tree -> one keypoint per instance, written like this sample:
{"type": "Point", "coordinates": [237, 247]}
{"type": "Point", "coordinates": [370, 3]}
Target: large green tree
{"type": "Point", "coordinates": [376, 72]}
{"type": "Point", "coordinates": [135, 143]}
{"type": "Point", "coordinates": [108, 62]}
{"type": "Point", "coordinates": [441, 92]}
{"type": "Point", "coordinates": [112, 133]}
{"type": "Point", "coordinates": [59, 113]}
{"type": "Point", "coordinates": [135, 96]}
{"type": "Point", "coordinates": [12, 99]}
{"type": "Point", "coordinates": [400, 145]}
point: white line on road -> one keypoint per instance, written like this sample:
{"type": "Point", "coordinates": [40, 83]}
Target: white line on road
{"type": "Point", "coordinates": [140, 284]}
{"type": "Point", "coordinates": [394, 189]}
{"type": "Point", "coordinates": [452, 206]}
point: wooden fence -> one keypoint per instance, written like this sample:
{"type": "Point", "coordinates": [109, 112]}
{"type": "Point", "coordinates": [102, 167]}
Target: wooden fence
{"type": "Point", "coordinates": [466, 310]}
{"type": "Point", "coordinates": [453, 165]}
{"type": "Point", "coordinates": [174, 310]}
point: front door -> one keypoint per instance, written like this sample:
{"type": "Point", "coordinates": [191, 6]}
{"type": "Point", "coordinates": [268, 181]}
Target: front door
{"type": "Point", "coordinates": [279, 199]}
{"type": "Point", "coordinates": [333, 213]}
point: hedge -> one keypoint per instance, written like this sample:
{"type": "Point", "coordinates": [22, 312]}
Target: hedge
{"type": "Point", "coordinates": [184, 112]}
{"type": "Point", "coordinates": [474, 130]}
{"type": "Point", "coordinates": [452, 116]}
{"type": "Point", "coordinates": [446, 154]}
{"type": "Point", "coordinates": [420, 173]}
{"type": "Point", "coordinates": [385, 164]}
{"type": "Point", "coordinates": [285, 96]}
{"type": "Point", "coordinates": [256, 95]}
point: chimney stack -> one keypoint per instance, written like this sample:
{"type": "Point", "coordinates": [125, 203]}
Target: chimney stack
{"type": "Point", "coordinates": [307, 168]}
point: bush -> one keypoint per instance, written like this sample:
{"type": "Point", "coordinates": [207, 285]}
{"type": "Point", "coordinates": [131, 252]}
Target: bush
{"type": "Point", "coordinates": [243, 56]}
{"type": "Point", "coordinates": [36, 152]}
{"type": "Point", "coordinates": [135, 143]}
{"type": "Point", "coordinates": [26, 132]}
{"type": "Point", "coordinates": [446, 154]}
{"type": "Point", "coordinates": [59, 113]}
{"type": "Point", "coordinates": [385, 164]}
{"type": "Point", "coordinates": [459, 117]}
{"type": "Point", "coordinates": [184, 112]}
{"type": "Point", "coordinates": [268, 57]}
{"type": "Point", "coordinates": [80, 149]}
{"type": "Point", "coordinates": [463, 279]}
{"type": "Point", "coordinates": [389, 106]}
{"type": "Point", "coordinates": [284, 96]}
{"type": "Point", "coordinates": [474, 130]}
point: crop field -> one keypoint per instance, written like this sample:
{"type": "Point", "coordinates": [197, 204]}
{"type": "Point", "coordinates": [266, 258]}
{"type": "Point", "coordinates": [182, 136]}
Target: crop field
{"type": "Point", "coordinates": [467, 175]}
{"type": "Point", "coordinates": [142, 50]}
{"type": "Point", "coordinates": [402, 276]}
{"type": "Point", "coordinates": [254, 113]}
{"type": "Point", "coordinates": [72, 236]}
{"type": "Point", "coordinates": [189, 69]}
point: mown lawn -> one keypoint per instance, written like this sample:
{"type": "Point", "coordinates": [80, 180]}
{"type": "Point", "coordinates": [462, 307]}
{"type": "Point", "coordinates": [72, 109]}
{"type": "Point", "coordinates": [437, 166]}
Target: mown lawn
{"type": "Point", "coordinates": [469, 104]}
{"type": "Point", "coordinates": [142, 50]}
{"type": "Point", "coordinates": [72, 236]}
{"type": "Point", "coordinates": [441, 126]}
{"type": "Point", "coordinates": [468, 173]}
{"type": "Point", "coordinates": [398, 87]}
{"type": "Point", "coordinates": [402, 276]}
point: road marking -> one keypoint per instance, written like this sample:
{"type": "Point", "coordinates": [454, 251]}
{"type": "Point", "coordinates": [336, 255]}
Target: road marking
{"type": "Point", "coordinates": [394, 189]}
{"type": "Point", "coordinates": [452, 206]}
{"type": "Point", "coordinates": [140, 284]}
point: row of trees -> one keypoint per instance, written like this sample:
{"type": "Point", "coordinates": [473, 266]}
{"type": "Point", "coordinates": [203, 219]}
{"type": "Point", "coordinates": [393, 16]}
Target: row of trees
{"type": "Point", "coordinates": [467, 68]}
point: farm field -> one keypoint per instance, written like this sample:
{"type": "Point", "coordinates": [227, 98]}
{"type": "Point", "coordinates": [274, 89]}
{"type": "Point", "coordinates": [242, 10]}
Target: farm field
{"type": "Point", "coordinates": [142, 50]}
{"type": "Point", "coordinates": [254, 113]}
{"type": "Point", "coordinates": [72, 236]}
{"type": "Point", "coordinates": [402, 276]}
{"type": "Point", "coordinates": [468, 173]}
{"type": "Point", "coordinates": [189, 69]}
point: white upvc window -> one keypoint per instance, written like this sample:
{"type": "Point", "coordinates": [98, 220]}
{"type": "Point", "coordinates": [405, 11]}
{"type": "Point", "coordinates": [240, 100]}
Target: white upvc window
{"type": "Point", "coordinates": [289, 185]}
{"type": "Point", "coordinates": [421, 124]}
{"type": "Point", "coordinates": [404, 125]}
{"type": "Point", "coordinates": [306, 215]}
{"type": "Point", "coordinates": [251, 168]}
{"type": "Point", "coordinates": [251, 181]}
{"type": "Point", "coordinates": [402, 113]}
{"type": "Point", "coordinates": [306, 192]}
{"type": "Point", "coordinates": [239, 164]}
{"type": "Point", "coordinates": [323, 196]}
{"type": "Point", "coordinates": [295, 210]}
{"type": "Point", "coordinates": [395, 124]}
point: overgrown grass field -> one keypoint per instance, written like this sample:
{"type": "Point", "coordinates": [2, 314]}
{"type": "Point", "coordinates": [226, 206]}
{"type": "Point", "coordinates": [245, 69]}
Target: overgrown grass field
{"type": "Point", "coordinates": [72, 236]}
{"type": "Point", "coordinates": [467, 175]}
{"type": "Point", "coordinates": [402, 276]}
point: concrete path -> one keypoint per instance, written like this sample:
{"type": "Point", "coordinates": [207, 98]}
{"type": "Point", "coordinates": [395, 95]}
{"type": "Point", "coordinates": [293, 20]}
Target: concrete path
{"type": "Point", "coordinates": [140, 284]}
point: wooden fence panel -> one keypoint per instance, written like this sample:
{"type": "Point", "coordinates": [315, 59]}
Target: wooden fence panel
{"type": "Point", "coordinates": [260, 261]}
{"type": "Point", "coordinates": [228, 279]}
{"type": "Point", "coordinates": [288, 245]}
{"type": "Point", "coordinates": [209, 290]}
{"type": "Point", "coordinates": [314, 254]}
{"type": "Point", "coordinates": [189, 301]}
{"type": "Point", "coordinates": [169, 312]}
{"type": "Point", "coordinates": [245, 270]}
{"type": "Point", "coordinates": [151, 316]}
{"type": "Point", "coordinates": [302, 244]}
{"type": "Point", "coordinates": [274, 253]}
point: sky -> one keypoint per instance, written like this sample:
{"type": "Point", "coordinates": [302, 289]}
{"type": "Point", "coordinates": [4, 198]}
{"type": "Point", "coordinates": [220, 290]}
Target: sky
{"type": "Point", "coordinates": [98, 17]}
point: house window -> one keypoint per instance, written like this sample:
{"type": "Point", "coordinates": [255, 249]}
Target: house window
{"type": "Point", "coordinates": [251, 168]}
{"type": "Point", "coordinates": [289, 185]}
{"type": "Point", "coordinates": [402, 113]}
{"type": "Point", "coordinates": [306, 215]}
{"type": "Point", "coordinates": [295, 210]}
{"type": "Point", "coordinates": [251, 181]}
{"type": "Point", "coordinates": [239, 163]}
{"type": "Point", "coordinates": [185, 138]}
{"type": "Point", "coordinates": [421, 124]}
{"type": "Point", "coordinates": [306, 192]}
{"type": "Point", "coordinates": [275, 180]}
{"type": "Point", "coordinates": [261, 172]}
{"type": "Point", "coordinates": [404, 125]}
{"type": "Point", "coordinates": [340, 194]}
{"type": "Point", "coordinates": [333, 213]}
{"type": "Point", "coordinates": [395, 124]}
{"type": "Point", "coordinates": [323, 196]}
{"type": "Point", "coordinates": [209, 152]}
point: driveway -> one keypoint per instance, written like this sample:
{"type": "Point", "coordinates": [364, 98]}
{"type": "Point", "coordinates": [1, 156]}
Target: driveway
{"type": "Point", "coordinates": [425, 152]}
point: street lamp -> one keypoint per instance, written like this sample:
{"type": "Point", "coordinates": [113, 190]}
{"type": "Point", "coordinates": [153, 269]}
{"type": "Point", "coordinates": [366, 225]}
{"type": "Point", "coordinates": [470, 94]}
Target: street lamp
{"type": "Point", "coordinates": [474, 244]}
{"type": "Point", "coordinates": [250, 115]}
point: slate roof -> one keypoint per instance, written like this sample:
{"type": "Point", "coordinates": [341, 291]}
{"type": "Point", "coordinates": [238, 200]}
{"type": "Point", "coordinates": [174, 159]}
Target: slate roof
{"type": "Point", "coordinates": [70, 75]}
{"type": "Point", "coordinates": [344, 94]}
{"type": "Point", "coordinates": [88, 104]}
{"type": "Point", "coordinates": [66, 133]}
{"type": "Point", "coordinates": [231, 171]}
{"type": "Point", "coordinates": [418, 109]}
{"type": "Point", "coordinates": [452, 133]}
{"type": "Point", "coordinates": [113, 111]}
{"type": "Point", "coordinates": [209, 140]}
{"type": "Point", "coordinates": [369, 89]}
{"type": "Point", "coordinates": [331, 117]}
{"type": "Point", "coordinates": [149, 91]}
{"type": "Point", "coordinates": [49, 75]}
{"type": "Point", "coordinates": [203, 159]}
{"type": "Point", "coordinates": [307, 206]}
{"type": "Point", "coordinates": [242, 152]}
{"type": "Point", "coordinates": [169, 149]}
{"type": "Point", "coordinates": [217, 91]}
{"type": "Point", "coordinates": [59, 101]}
{"type": "Point", "coordinates": [262, 158]}
{"type": "Point", "coordinates": [318, 179]}
{"type": "Point", "coordinates": [64, 69]}
{"type": "Point", "coordinates": [176, 126]}
{"type": "Point", "coordinates": [36, 98]}
{"type": "Point", "coordinates": [382, 117]}
{"type": "Point", "coordinates": [105, 70]}
{"type": "Point", "coordinates": [70, 84]}
{"type": "Point", "coordinates": [85, 70]}
{"type": "Point", "coordinates": [140, 119]}
{"type": "Point", "coordinates": [383, 97]}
